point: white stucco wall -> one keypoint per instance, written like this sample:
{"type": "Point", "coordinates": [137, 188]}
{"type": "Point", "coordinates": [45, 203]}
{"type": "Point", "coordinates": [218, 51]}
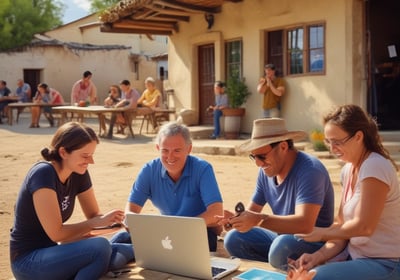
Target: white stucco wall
{"type": "Point", "coordinates": [308, 97]}
{"type": "Point", "coordinates": [61, 67]}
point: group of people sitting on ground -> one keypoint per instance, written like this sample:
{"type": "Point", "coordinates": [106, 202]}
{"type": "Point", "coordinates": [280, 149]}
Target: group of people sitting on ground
{"type": "Point", "coordinates": [300, 235]}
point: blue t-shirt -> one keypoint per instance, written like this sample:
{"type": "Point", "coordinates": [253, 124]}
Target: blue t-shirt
{"type": "Point", "coordinates": [308, 182]}
{"type": "Point", "coordinates": [221, 100]}
{"type": "Point", "coordinates": [27, 233]}
{"type": "Point", "coordinates": [189, 196]}
{"type": "Point", "coordinates": [22, 92]}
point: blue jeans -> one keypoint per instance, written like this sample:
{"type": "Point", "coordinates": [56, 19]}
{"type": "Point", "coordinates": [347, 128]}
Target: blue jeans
{"type": "Point", "coordinates": [85, 259]}
{"type": "Point", "coordinates": [365, 269]}
{"type": "Point", "coordinates": [271, 113]}
{"type": "Point", "coordinates": [217, 126]}
{"type": "Point", "coordinates": [264, 245]}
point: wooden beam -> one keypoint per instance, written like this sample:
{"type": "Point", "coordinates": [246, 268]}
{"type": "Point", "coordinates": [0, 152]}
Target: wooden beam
{"type": "Point", "coordinates": [188, 7]}
{"type": "Point", "coordinates": [168, 18]}
{"type": "Point", "coordinates": [153, 25]}
{"type": "Point", "coordinates": [135, 31]}
{"type": "Point", "coordinates": [168, 11]}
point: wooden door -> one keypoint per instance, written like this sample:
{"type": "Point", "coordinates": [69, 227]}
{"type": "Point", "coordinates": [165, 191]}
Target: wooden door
{"type": "Point", "coordinates": [206, 64]}
{"type": "Point", "coordinates": [32, 77]}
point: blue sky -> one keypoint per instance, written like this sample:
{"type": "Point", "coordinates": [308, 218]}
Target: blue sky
{"type": "Point", "coordinates": [75, 9]}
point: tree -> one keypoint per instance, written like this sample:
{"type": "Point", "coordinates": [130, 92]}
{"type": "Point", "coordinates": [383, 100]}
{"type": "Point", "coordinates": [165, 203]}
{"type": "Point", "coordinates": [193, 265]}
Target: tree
{"type": "Point", "coordinates": [100, 5]}
{"type": "Point", "coordinates": [21, 19]}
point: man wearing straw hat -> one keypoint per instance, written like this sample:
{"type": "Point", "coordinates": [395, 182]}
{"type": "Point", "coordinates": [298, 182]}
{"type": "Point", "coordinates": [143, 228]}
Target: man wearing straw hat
{"type": "Point", "coordinates": [298, 190]}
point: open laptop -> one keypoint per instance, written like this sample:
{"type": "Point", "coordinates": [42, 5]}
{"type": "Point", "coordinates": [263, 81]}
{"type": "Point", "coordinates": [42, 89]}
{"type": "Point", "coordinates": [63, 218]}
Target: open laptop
{"type": "Point", "coordinates": [176, 245]}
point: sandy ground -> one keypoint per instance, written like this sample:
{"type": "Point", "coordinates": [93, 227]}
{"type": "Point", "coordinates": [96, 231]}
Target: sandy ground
{"type": "Point", "coordinates": [117, 162]}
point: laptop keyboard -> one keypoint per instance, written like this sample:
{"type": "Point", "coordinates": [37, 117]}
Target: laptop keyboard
{"type": "Point", "coordinates": [217, 270]}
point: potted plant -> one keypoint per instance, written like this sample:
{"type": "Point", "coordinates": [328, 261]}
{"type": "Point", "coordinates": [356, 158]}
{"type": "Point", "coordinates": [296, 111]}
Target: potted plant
{"type": "Point", "coordinates": [317, 140]}
{"type": "Point", "coordinates": [237, 92]}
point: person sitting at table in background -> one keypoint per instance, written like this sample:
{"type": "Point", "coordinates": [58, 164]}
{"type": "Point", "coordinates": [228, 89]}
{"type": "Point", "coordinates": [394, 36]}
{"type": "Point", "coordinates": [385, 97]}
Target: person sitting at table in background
{"type": "Point", "coordinates": [84, 90]}
{"type": "Point", "coordinates": [298, 190]}
{"type": "Point", "coordinates": [151, 97]}
{"type": "Point", "coordinates": [113, 98]}
{"type": "Point", "coordinates": [4, 93]}
{"type": "Point", "coordinates": [178, 184]}
{"type": "Point", "coordinates": [42, 244]}
{"type": "Point", "coordinates": [130, 97]}
{"type": "Point", "coordinates": [368, 222]}
{"type": "Point", "coordinates": [48, 95]}
{"type": "Point", "coordinates": [221, 102]}
{"type": "Point", "coordinates": [23, 91]}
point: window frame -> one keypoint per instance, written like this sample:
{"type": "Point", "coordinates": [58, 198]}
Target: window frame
{"type": "Point", "coordinates": [305, 52]}
{"type": "Point", "coordinates": [228, 63]}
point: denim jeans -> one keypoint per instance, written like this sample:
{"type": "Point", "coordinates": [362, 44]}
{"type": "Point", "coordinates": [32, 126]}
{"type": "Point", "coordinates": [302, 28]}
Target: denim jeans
{"type": "Point", "coordinates": [271, 113]}
{"type": "Point", "coordinates": [86, 259]}
{"type": "Point", "coordinates": [264, 245]}
{"type": "Point", "coordinates": [365, 269]}
{"type": "Point", "coordinates": [217, 126]}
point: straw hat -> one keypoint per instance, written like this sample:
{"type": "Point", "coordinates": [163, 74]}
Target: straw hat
{"type": "Point", "coordinates": [268, 131]}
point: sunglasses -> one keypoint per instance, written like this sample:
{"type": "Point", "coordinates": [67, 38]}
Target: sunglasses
{"type": "Point", "coordinates": [263, 157]}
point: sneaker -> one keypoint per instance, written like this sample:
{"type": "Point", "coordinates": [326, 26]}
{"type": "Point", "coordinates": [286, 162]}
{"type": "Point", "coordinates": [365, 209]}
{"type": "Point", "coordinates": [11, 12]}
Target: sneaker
{"type": "Point", "coordinates": [213, 137]}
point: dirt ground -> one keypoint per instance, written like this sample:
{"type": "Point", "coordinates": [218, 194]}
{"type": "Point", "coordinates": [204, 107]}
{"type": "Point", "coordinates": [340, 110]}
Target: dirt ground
{"type": "Point", "coordinates": [117, 162]}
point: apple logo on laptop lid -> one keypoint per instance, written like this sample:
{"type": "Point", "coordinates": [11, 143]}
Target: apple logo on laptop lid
{"type": "Point", "coordinates": [167, 243]}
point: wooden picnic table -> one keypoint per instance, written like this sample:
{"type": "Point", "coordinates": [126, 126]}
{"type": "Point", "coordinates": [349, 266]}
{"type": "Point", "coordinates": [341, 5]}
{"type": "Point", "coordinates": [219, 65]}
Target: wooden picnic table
{"type": "Point", "coordinates": [153, 116]}
{"type": "Point", "coordinates": [21, 106]}
{"type": "Point", "coordinates": [130, 114]}
{"type": "Point", "coordinates": [100, 111]}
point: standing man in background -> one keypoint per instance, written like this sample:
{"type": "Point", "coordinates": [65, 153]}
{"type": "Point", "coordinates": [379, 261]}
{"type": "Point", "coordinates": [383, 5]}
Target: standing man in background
{"type": "Point", "coordinates": [272, 88]}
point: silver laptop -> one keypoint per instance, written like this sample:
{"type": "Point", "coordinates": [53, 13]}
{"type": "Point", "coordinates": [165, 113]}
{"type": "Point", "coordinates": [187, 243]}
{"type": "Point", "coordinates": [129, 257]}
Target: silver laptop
{"type": "Point", "coordinates": [176, 245]}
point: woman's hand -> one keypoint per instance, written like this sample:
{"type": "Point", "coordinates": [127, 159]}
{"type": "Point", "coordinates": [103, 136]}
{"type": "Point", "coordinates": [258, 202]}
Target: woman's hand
{"type": "Point", "coordinates": [112, 217]}
{"type": "Point", "coordinates": [300, 274]}
{"type": "Point", "coordinates": [308, 261]}
{"type": "Point", "coordinates": [316, 235]}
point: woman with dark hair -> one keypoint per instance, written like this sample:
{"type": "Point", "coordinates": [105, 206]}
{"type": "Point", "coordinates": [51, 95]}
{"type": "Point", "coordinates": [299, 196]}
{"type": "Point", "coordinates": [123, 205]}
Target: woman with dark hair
{"type": "Point", "coordinates": [368, 223]}
{"type": "Point", "coordinates": [45, 94]}
{"type": "Point", "coordinates": [42, 244]}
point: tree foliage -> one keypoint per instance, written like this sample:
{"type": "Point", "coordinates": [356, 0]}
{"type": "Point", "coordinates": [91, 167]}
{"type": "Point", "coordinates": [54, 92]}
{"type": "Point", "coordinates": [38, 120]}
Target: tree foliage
{"type": "Point", "coordinates": [21, 19]}
{"type": "Point", "coordinates": [101, 5]}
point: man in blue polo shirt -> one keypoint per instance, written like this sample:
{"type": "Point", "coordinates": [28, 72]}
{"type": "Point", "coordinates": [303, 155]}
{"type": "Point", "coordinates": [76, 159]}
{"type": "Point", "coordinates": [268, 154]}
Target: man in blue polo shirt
{"type": "Point", "coordinates": [178, 184]}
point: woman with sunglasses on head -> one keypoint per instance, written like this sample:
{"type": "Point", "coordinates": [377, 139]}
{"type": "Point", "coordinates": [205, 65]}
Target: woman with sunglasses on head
{"type": "Point", "coordinates": [43, 245]}
{"type": "Point", "coordinates": [368, 223]}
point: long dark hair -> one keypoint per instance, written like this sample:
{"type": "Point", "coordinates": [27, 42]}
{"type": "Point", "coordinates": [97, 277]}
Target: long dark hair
{"type": "Point", "coordinates": [352, 118]}
{"type": "Point", "coordinates": [71, 136]}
